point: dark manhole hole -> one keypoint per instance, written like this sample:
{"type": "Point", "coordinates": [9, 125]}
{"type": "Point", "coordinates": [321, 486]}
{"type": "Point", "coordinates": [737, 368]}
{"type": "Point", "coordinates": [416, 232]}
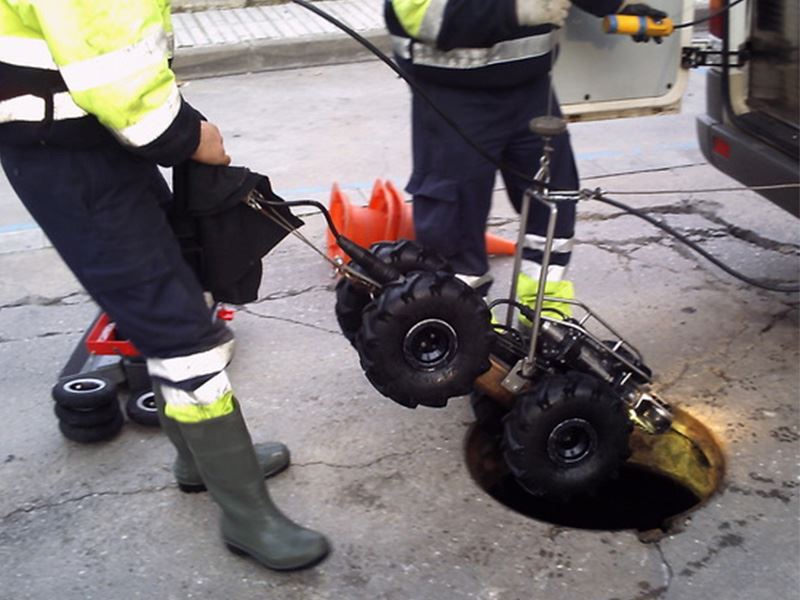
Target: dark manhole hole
{"type": "Point", "coordinates": [666, 477]}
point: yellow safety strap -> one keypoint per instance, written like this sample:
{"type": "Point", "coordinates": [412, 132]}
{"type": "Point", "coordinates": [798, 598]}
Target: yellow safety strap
{"type": "Point", "coordinates": [195, 413]}
{"type": "Point", "coordinates": [422, 19]}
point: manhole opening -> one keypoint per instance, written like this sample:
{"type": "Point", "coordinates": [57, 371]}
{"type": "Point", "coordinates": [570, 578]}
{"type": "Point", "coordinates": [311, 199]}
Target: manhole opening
{"type": "Point", "coordinates": [667, 477]}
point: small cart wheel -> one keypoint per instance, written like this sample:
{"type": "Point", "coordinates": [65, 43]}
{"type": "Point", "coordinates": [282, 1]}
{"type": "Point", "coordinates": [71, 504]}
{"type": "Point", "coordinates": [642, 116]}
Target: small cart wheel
{"type": "Point", "coordinates": [141, 408]}
{"type": "Point", "coordinates": [87, 417]}
{"type": "Point", "coordinates": [566, 436]}
{"type": "Point", "coordinates": [425, 339]}
{"type": "Point", "coordinates": [84, 392]}
{"type": "Point", "coordinates": [91, 435]}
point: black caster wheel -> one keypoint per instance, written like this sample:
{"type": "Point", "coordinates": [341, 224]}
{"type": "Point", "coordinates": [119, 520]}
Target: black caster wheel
{"type": "Point", "coordinates": [405, 256]}
{"type": "Point", "coordinates": [87, 417]}
{"type": "Point", "coordinates": [141, 408]}
{"type": "Point", "coordinates": [425, 339]}
{"type": "Point", "coordinates": [566, 436]}
{"type": "Point", "coordinates": [91, 435]}
{"type": "Point", "coordinates": [84, 392]}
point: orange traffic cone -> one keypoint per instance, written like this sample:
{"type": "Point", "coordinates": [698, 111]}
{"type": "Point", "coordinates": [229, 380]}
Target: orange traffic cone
{"type": "Point", "coordinates": [387, 217]}
{"type": "Point", "coordinates": [364, 225]}
{"type": "Point", "coordinates": [499, 246]}
{"type": "Point", "coordinates": [405, 222]}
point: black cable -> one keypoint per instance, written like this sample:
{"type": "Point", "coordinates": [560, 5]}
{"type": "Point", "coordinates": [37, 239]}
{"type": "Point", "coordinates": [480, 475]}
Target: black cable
{"type": "Point", "coordinates": [318, 205]}
{"type": "Point", "coordinates": [709, 16]}
{"type": "Point", "coordinates": [597, 196]}
{"type": "Point", "coordinates": [682, 238]}
{"type": "Point", "coordinates": [418, 90]}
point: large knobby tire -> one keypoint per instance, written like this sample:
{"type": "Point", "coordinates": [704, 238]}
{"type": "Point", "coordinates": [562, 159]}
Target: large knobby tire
{"type": "Point", "coordinates": [566, 436]}
{"type": "Point", "coordinates": [351, 299]}
{"type": "Point", "coordinates": [405, 256]}
{"type": "Point", "coordinates": [424, 339]}
{"type": "Point", "coordinates": [82, 392]}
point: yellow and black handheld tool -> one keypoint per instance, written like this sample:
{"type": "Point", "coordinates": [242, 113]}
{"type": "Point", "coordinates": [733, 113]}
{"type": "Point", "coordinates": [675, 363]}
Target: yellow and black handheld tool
{"type": "Point", "coordinates": [638, 26]}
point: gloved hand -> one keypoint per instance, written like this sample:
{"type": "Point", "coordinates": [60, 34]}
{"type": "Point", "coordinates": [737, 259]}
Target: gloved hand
{"type": "Point", "coordinates": [541, 12]}
{"type": "Point", "coordinates": [643, 10]}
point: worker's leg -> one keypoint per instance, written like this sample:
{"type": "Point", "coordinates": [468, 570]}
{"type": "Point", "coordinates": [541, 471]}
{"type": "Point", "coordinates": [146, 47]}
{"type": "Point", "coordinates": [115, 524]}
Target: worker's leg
{"type": "Point", "coordinates": [524, 153]}
{"type": "Point", "coordinates": [273, 457]}
{"type": "Point", "coordinates": [102, 210]}
{"type": "Point", "coordinates": [451, 182]}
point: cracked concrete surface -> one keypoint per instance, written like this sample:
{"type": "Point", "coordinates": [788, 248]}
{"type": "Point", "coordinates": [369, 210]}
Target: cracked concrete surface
{"type": "Point", "coordinates": [387, 484]}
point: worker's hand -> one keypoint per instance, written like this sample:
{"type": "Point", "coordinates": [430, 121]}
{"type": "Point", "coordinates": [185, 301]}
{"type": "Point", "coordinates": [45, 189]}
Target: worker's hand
{"type": "Point", "coordinates": [211, 149]}
{"type": "Point", "coordinates": [541, 12]}
{"type": "Point", "coordinates": [643, 10]}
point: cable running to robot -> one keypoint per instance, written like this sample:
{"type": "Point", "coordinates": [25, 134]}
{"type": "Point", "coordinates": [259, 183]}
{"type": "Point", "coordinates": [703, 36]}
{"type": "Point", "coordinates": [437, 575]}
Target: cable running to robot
{"type": "Point", "coordinates": [596, 194]}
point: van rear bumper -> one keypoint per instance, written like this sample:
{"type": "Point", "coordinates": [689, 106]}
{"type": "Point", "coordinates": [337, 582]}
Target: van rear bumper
{"type": "Point", "coordinates": [750, 161]}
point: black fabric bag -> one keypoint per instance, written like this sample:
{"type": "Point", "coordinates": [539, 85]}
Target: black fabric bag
{"type": "Point", "coordinates": [223, 239]}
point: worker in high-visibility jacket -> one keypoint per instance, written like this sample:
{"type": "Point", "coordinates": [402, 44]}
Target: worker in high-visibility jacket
{"type": "Point", "coordinates": [89, 108]}
{"type": "Point", "coordinates": [486, 65]}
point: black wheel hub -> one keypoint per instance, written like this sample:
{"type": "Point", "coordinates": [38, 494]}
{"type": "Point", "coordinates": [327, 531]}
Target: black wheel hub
{"type": "Point", "coordinates": [430, 344]}
{"type": "Point", "coordinates": [571, 441]}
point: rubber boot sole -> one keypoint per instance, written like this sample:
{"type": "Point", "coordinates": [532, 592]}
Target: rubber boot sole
{"type": "Point", "coordinates": [307, 565]}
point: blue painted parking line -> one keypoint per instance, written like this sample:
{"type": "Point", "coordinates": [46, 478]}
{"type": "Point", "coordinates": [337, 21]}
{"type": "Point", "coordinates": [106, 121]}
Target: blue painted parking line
{"type": "Point", "coordinates": [14, 227]}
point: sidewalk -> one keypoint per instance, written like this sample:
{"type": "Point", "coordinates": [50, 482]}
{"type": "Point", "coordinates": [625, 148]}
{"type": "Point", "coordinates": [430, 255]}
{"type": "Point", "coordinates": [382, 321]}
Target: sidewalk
{"type": "Point", "coordinates": [283, 36]}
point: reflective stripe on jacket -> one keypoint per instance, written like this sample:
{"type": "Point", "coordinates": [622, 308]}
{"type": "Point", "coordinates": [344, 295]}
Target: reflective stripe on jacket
{"type": "Point", "coordinates": [473, 43]}
{"type": "Point", "coordinates": [110, 61]}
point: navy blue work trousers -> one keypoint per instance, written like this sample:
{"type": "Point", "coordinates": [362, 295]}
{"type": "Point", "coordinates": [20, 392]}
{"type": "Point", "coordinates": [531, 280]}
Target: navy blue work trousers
{"type": "Point", "coordinates": [103, 211]}
{"type": "Point", "coordinates": [452, 183]}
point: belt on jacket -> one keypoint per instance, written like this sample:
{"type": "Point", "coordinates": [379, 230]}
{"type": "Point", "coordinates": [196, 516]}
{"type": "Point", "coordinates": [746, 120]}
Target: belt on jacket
{"type": "Point", "coordinates": [473, 58]}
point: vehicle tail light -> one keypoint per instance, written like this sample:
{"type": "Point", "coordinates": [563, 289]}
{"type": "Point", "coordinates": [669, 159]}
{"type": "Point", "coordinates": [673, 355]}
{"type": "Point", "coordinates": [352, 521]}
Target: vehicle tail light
{"type": "Point", "coordinates": [721, 147]}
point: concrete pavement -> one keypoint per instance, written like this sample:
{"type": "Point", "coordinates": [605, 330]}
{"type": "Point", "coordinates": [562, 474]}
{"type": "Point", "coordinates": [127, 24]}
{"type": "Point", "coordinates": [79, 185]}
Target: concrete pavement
{"type": "Point", "coordinates": [390, 485]}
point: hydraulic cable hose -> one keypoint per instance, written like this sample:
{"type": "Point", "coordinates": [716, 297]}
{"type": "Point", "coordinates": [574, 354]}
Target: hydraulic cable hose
{"type": "Point", "coordinates": [419, 91]}
{"type": "Point", "coordinates": [682, 238]}
{"type": "Point", "coordinates": [596, 195]}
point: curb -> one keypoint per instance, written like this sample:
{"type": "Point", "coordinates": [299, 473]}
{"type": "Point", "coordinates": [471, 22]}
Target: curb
{"type": "Point", "coordinates": [271, 55]}
{"type": "Point", "coordinates": [260, 37]}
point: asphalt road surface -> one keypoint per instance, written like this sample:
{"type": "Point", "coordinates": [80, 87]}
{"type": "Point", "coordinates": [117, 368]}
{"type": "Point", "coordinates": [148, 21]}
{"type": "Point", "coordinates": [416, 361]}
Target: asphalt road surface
{"type": "Point", "coordinates": [389, 485]}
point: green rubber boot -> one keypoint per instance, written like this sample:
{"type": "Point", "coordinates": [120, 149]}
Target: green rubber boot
{"type": "Point", "coordinates": [251, 523]}
{"type": "Point", "coordinates": [273, 457]}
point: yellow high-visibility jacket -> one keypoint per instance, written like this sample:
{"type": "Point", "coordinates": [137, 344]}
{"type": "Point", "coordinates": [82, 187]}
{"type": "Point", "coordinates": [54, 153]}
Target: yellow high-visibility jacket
{"type": "Point", "coordinates": [68, 65]}
{"type": "Point", "coordinates": [477, 44]}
